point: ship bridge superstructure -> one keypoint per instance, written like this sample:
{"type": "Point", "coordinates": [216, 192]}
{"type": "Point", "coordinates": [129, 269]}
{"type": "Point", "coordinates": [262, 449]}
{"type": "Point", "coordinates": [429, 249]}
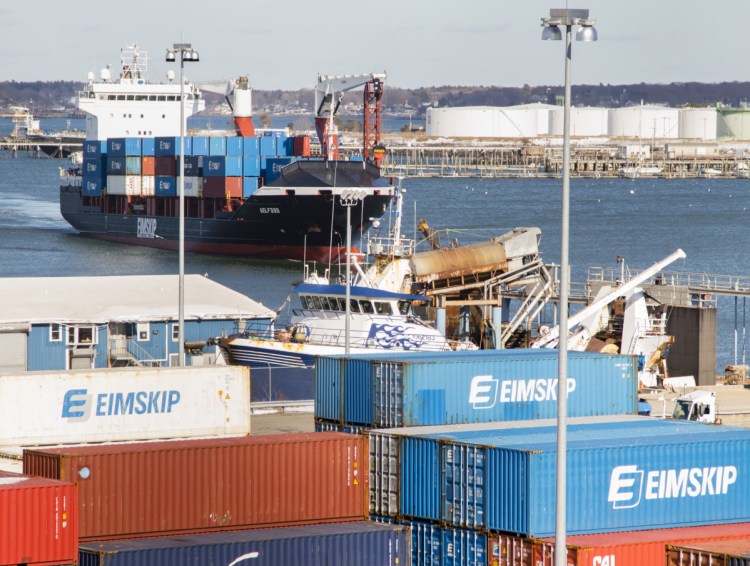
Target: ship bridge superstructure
{"type": "Point", "coordinates": [131, 106]}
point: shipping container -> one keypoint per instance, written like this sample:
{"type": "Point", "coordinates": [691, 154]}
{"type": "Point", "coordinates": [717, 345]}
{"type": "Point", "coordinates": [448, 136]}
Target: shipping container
{"type": "Point", "coordinates": [115, 165]}
{"type": "Point", "coordinates": [341, 544]}
{"type": "Point", "coordinates": [121, 147]}
{"type": "Point", "coordinates": [123, 404]}
{"type": "Point", "coordinates": [235, 145]}
{"type": "Point", "coordinates": [133, 165]}
{"type": "Point", "coordinates": [249, 186]}
{"type": "Point", "coordinates": [624, 473]}
{"type": "Point", "coordinates": [251, 166]}
{"type": "Point", "coordinates": [200, 145]}
{"type": "Point", "coordinates": [94, 167]}
{"type": "Point", "coordinates": [169, 146]}
{"type": "Point", "coordinates": [92, 187]}
{"type": "Point", "coordinates": [274, 165]}
{"type": "Point", "coordinates": [217, 146]}
{"type": "Point", "coordinates": [94, 148]}
{"type": "Point", "coordinates": [148, 185]}
{"type": "Point", "coordinates": [641, 548]}
{"type": "Point", "coordinates": [38, 520]}
{"type": "Point", "coordinates": [284, 146]}
{"type": "Point", "coordinates": [267, 146]}
{"type": "Point", "coordinates": [165, 166]}
{"type": "Point", "coordinates": [426, 388]}
{"type": "Point", "coordinates": [234, 187]}
{"type": "Point", "coordinates": [215, 187]}
{"type": "Point", "coordinates": [724, 553]}
{"type": "Point", "coordinates": [124, 185]}
{"type": "Point", "coordinates": [183, 486]}
{"type": "Point", "coordinates": [193, 186]}
{"type": "Point", "coordinates": [166, 186]}
{"type": "Point", "coordinates": [148, 147]}
{"type": "Point", "coordinates": [301, 146]}
{"type": "Point", "coordinates": [223, 166]}
{"type": "Point", "coordinates": [148, 165]}
{"type": "Point", "coordinates": [251, 147]}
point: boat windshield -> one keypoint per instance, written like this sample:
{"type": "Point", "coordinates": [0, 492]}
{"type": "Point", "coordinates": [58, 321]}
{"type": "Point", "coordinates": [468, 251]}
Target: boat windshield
{"type": "Point", "coordinates": [383, 308]}
{"type": "Point", "coordinates": [403, 307]}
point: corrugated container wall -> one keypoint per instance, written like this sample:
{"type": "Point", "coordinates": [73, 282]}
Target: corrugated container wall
{"type": "Point", "coordinates": [636, 548]}
{"type": "Point", "coordinates": [341, 544]}
{"type": "Point", "coordinates": [727, 553]}
{"type": "Point", "coordinates": [38, 520]}
{"type": "Point", "coordinates": [638, 473]}
{"type": "Point", "coordinates": [185, 486]}
{"type": "Point", "coordinates": [434, 388]}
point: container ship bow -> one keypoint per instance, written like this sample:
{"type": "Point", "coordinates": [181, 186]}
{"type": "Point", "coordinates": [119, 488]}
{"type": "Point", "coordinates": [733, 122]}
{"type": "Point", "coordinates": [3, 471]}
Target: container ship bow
{"type": "Point", "coordinates": [248, 195]}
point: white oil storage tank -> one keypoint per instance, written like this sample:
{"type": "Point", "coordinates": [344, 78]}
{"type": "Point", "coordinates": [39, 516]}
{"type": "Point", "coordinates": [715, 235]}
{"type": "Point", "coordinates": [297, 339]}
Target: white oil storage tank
{"type": "Point", "coordinates": [645, 122]}
{"type": "Point", "coordinates": [482, 122]}
{"type": "Point", "coordinates": [584, 121]}
{"type": "Point", "coordinates": [734, 123]}
{"type": "Point", "coordinates": [542, 115]}
{"type": "Point", "coordinates": [698, 123]}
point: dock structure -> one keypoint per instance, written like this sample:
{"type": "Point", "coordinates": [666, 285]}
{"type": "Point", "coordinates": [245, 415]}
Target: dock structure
{"type": "Point", "coordinates": [55, 149]}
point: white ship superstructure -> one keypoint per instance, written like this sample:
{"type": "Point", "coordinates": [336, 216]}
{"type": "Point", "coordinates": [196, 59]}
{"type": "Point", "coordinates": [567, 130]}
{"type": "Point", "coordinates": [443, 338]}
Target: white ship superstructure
{"type": "Point", "coordinates": [130, 106]}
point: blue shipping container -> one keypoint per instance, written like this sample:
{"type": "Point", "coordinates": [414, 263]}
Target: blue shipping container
{"type": "Point", "coordinates": [251, 146]}
{"type": "Point", "coordinates": [267, 146]}
{"type": "Point", "coordinates": [200, 145]}
{"type": "Point", "coordinates": [284, 146]}
{"type": "Point", "coordinates": [94, 148]}
{"type": "Point", "coordinates": [133, 165]}
{"type": "Point", "coordinates": [94, 167]}
{"type": "Point", "coordinates": [623, 473]}
{"type": "Point", "coordinates": [251, 166]}
{"type": "Point", "coordinates": [274, 165]}
{"type": "Point", "coordinates": [170, 146]}
{"type": "Point", "coordinates": [435, 388]}
{"type": "Point", "coordinates": [122, 147]}
{"type": "Point", "coordinates": [217, 146]}
{"type": "Point", "coordinates": [249, 185]}
{"type": "Point", "coordinates": [92, 186]}
{"type": "Point", "coordinates": [234, 145]}
{"type": "Point", "coordinates": [165, 186]}
{"type": "Point", "coordinates": [116, 165]}
{"type": "Point", "coordinates": [339, 544]}
{"type": "Point", "coordinates": [193, 166]}
{"type": "Point", "coordinates": [214, 166]}
{"type": "Point", "coordinates": [148, 147]}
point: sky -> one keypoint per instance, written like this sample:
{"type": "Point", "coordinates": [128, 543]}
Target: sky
{"type": "Point", "coordinates": [285, 44]}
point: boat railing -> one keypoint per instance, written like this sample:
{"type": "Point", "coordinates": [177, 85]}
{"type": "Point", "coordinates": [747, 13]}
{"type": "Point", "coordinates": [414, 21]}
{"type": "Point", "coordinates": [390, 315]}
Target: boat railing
{"type": "Point", "coordinates": [387, 246]}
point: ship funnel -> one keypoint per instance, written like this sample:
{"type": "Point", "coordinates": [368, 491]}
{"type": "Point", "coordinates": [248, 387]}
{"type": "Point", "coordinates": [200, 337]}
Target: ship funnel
{"type": "Point", "coordinates": [242, 105]}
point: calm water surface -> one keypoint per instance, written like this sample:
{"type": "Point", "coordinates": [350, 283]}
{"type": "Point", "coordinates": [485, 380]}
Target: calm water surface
{"type": "Point", "coordinates": [640, 220]}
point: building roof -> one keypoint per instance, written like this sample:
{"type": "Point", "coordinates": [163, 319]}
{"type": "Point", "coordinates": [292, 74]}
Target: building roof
{"type": "Point", "coordinates": [130, 298]}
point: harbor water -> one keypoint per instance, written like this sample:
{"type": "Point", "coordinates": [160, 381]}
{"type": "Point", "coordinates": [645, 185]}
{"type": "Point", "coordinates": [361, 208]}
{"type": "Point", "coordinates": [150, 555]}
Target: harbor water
{"type": "Point", "coordinates": [640, 220]}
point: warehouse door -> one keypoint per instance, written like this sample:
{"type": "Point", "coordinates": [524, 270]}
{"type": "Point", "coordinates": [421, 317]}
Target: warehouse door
{"type": "Point", "coordinates": [13, 349]}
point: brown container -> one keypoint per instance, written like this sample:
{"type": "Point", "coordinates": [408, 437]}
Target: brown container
{"type": "Point", "coordinates": [183, 486]}
{"type": "Point", "coordinates": [301, 146]}
{"type": "Point", "coordinates": [632, 548]}
{"type": "Point", "coordinates": [713, 553]}
{"type": "Point", "coordinates": [165, 165]}
{"type": "Point", "coordinates": [38, 521]}
{"type": "Point", "coordinates": [214, 187]}
{"type": "Point", "coordinates": [148, 165]}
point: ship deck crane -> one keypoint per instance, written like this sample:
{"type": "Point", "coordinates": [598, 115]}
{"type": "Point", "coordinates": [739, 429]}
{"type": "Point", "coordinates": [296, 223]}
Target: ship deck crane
{"type": "Point", "coordinates": [329, 91]}
{"type": "Point", "coordinates": [239, 96]}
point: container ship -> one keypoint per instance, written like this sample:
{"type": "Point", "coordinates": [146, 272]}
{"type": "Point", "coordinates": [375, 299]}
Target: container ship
{"type": "Point", "coordinates": [248, 195]}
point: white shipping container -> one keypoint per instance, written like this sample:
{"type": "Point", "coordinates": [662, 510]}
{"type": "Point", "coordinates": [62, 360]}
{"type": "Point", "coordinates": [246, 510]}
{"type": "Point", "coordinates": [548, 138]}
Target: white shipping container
{"type": "Point", "coordinates": [116, 185]}
{"type": "Point", "coordinates": [123, 404]}
{"type": "Point", "coordinates": [133, 185]}
{"type": "Point", "coordinates": [148, 185]}
{"type": "Point", "coordinates": [193, 186]}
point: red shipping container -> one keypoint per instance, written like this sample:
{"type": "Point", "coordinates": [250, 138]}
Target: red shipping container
{"type": "Point", "coordinates": [234, 187]}
{"type": "Point", "coordinates": [148, 165]}
{"type": "Point", "coordinates": [214, 187]}
{"type": "Point", "coordinates": [165, 165]}
{"type": "Point", "coordinates": [184, 486]}
{"type": "Point", "coordinates": [38, 521]}
{"type": "Point", "coordinates": [641, 548]}
{"type": "Point", "coordinates": [714, 553]}
{"type": "Point", "coordinates": [301, 146]}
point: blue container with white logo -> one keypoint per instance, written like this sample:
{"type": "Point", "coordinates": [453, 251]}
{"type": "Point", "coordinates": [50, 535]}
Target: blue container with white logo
{"type": "Point", "coordinates": [214, 166]}
{"type": "Point", "coordinates": [122, 147]}
{"type": "Point", "coordinates": [623, 473]}
{"type": "Point", "coordinates": [193, 166]}
{"type": "Point", "coordinates": [92, 186]}
{"type": "Point", "coordinates": [165, 186]}
{"type": "Point", "coordinates": [94, 148]}
{"type": "Point", "coordinates": [94, 167]}
{"type": "Point", "coordinates": [340, 544]}
{"type": "Point", "coordinates": [116, 165]}
{"type": "Point", "coordinates": [170, 146]}
{"type": "Point", "coordinates": [435, 388]}
{"type": "Point", "coordinates": [274, 165]}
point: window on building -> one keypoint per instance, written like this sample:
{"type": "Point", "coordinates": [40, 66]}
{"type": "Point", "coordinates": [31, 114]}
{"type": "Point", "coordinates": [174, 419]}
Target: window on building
{"type": "Point", "coordinates": [175, 333]}
{"type": "Point", "coordinates": [143, 329]}
{"type": "Point", "coordinates": [55, 332]}
{"type": "Point", "coordinates": [78, 335]}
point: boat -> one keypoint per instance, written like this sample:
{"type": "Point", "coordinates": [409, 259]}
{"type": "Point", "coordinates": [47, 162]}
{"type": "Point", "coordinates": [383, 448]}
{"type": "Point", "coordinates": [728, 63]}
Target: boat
{"type": "Point", "coordinates": [247, 195]}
